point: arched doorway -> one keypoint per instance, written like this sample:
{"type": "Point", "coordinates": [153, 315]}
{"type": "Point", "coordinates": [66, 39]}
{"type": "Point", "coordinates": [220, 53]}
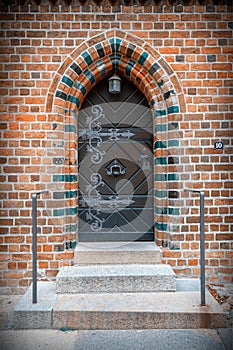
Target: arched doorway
{"type": "Point", "coordinates": [148, 71]}
{"type": "Point", "coordinates": [115, 162]}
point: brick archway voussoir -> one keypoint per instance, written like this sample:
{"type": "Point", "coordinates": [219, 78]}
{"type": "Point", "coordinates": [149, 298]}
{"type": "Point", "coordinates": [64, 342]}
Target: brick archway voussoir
{"type": "Point", "coordinates": [148, 70]}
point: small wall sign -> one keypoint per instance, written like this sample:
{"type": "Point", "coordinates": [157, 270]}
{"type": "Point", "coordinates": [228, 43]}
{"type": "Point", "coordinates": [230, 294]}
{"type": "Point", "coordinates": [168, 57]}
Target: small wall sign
{"type": "Point", "coordinates": [219, 145]}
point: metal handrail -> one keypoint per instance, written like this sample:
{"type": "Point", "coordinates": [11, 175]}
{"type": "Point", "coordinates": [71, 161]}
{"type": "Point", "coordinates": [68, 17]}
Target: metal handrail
{"type": "Point", "coordinates": [34, 244]}
{"type": "Point", "coordinates": [202, 242]}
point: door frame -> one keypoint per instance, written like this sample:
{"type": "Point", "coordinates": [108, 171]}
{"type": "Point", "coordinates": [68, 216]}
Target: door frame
{"type": "Point", "coordinates": [143, 65]}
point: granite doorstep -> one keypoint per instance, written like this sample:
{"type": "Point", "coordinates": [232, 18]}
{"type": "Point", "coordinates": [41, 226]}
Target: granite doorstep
{"type": "Point", "coordinates": [116, 278]}
{"type": "Point", "coordinates": [180, 310]}
{"type": "Point", "coordinates": [117, 253]}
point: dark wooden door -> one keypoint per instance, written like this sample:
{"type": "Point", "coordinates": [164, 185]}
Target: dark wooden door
{"type": "Point", "coordinates": [115, 166]}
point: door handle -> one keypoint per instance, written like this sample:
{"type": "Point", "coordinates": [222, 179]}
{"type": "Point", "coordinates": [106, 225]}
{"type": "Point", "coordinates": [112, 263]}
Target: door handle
{"type": "Point", "coordinates": [116, 170]}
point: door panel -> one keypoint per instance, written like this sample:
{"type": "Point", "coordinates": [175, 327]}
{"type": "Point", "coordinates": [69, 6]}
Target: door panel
{"type": "Point", "coordinates": [115, 167]}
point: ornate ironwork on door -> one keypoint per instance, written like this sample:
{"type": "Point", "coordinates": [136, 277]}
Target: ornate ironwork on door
{"type": "Point", "coordinates": [115, 169]}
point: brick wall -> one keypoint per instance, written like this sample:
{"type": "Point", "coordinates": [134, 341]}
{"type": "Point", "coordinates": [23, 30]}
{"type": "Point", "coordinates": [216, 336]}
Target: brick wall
{"type": "Point", "coordinates": [192, 45]}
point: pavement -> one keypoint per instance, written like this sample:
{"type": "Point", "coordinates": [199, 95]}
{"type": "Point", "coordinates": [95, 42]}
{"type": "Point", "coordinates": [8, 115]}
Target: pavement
{"type": "Point", "coordinates": [152, 339]}
{"type": "Point", "coordinates": [198, 339]}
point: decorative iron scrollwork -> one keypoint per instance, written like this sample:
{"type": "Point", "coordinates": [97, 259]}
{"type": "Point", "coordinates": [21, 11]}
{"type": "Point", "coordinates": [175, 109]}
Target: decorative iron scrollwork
{"type": "Point", "coordinates": [94, 202]}
{"type": "Point", "coordinates": [95, 134]}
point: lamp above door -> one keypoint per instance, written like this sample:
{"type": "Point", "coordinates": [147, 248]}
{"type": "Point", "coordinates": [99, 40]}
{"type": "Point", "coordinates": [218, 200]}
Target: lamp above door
{"type": "Point", "coordinates": [114, 84]}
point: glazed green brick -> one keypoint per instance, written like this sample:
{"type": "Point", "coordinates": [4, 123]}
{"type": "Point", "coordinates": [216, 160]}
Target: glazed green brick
{"type": "Point", "coordinates": [174, 211]}
{"type": "Point", "coordinates": [160, 177]}
{"type": "Point", "coordinates": [160, 83]}
{"type": "Point", "coordinates": [115, 44]}
{"type": "Point", "coordinates": [161, 161]}
{"type": "Point", "coordinates": [152, 102]}
{"type": "Point", "coordinates": [64, 177]}
{"type": "Point", "coordinates": [101, 67]}
{"type": "Point", "coordinates": [74, 112]}
{"type": "Point", "coordinates": [67, 81]}
{"type": "Point", "coordinates": [71, 178]}
{"type": "Point", "coordinates": [87, 57]}
{"type": "Point", "coordinates": [173, 109]}
{"type": "Point", "coordinates": [58, 178]}
{"type": "Point", "coordinates": [173, 143]}
{"type": "Point", "coordinates": [73, 244]}
{"type": "Point", "coordinates": [73, 227]}
{"type": "Point", "coordinates": [118, 44]}
{"type": "Point", "coordinates": [71, 211]}
{"type": "Point", "coordinates": [161, 211]}
{"type": "Point", "coordinates": [173, 177]}
{"type": "Point", "coordinates": [115, 59]}
{"type": "Point", "coordinates": [59, 248]}
{"type": "Point", "coordinates": [90, 76]}
{"type": "Point", "coordinates": [58, 212]}
{"type": "Point", "coordinates": [143, 58]}
{"type": "Point", "coordinates": [129, 67]}
{"type": "Point", "coordinates": [160, 112]}
{"type": "Point", "coordinates": [61, 95]}
{"type": "Point", "coordinates": [71, 194]}
{"type": "Point", "coordinates": [160, 144]}
{"type": "Point", "coordinates": [74, 99]}
{"type": "Point", "coordinates": [161, 128]}
{"type": "Point", "coordinates": [80, 87]}
{"type": "Point", "coordinates": [160, 226]}
{"type": "Point", "coordinates": [112, 43]}
{"type": "Point", "coordinates": [69, 128]}
{"type": "Point", "coordinates": [161, 194]}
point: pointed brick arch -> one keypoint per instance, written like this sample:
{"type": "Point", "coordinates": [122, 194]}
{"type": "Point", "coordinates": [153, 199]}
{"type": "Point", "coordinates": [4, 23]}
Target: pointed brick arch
{"type": "Point", "coordinates": [98, 57]}
{"type": "Point", "coordinates": [139, 62]}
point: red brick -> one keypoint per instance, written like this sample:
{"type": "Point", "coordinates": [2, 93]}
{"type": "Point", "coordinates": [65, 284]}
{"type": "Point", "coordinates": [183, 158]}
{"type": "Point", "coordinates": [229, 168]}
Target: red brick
{"type": "Point", "coordinates": [38, 58]}
{"type": "Point", "coordinates": [180, 67]}
{"type": "Point", "coordinates": [192, 262]}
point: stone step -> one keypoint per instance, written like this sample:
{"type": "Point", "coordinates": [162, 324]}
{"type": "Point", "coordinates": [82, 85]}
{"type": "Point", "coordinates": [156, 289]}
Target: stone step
{"type": "Point", "coordinates": [116, 278]}
{"type": "Point", "coordinates": [117, 253]}
{"type": "Point", "coordinates": [178, 310]}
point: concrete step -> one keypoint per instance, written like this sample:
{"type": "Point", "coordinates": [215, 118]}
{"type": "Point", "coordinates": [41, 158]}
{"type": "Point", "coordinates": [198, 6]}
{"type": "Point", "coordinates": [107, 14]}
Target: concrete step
{"type": "Point", "coordinates": [116, 278]}
{"type": "Point", "coordinates": [117, 253]}
{"type": "Point", "coordinates": [178, 310]}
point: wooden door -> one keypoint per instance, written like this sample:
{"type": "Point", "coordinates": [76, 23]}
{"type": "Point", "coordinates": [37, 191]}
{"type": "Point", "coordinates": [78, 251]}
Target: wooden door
{"type": "Point", "coordinates": [115, 166]}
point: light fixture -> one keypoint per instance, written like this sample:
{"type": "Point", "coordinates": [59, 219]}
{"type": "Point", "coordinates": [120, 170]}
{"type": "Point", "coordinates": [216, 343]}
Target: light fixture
{"type": "Point", "coordinates": [114, 84]}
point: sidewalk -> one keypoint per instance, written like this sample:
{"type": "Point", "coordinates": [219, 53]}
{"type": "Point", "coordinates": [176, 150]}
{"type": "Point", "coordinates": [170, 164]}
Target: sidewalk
{"type": "Point", "coordinates": [156, 339]}
{"type": "Point", "coordinates": [205, 339]}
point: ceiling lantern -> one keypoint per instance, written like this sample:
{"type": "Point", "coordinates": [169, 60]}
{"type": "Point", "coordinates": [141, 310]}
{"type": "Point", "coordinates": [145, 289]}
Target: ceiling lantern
{"type": "Point", "coordinates": [114, 84]}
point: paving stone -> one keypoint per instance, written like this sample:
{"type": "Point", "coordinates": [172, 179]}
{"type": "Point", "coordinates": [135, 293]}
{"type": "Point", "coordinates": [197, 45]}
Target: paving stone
{"type": "Point", "coordinates": [188, 284]}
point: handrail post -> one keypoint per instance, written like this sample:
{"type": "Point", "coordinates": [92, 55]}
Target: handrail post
{"type": "Point", "coordinates": [34, 245]}
{"type": "Point", "coordinates": [34, 248]}
{"type": "Point", "coordinates": [202, 245]}
{"type": "Point", "coordinates": [202, 242]}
